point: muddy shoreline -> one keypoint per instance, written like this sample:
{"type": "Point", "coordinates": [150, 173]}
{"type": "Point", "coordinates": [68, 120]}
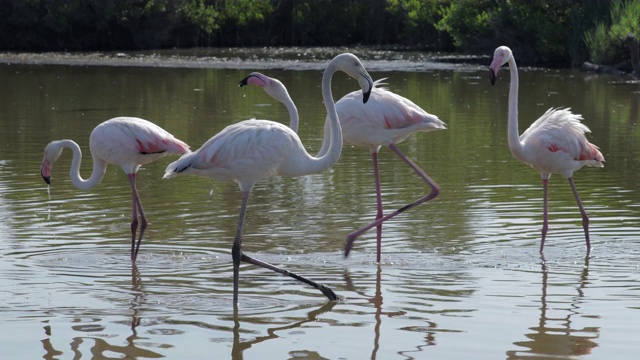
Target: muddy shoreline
{"type": "Point", "coordinates": [257, 58]}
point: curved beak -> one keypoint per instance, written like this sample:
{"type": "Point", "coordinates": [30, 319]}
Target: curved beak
{"type": "Point", "coordinates": [245, 81]}
{"type": "Point", "coordinates": [254, 79]}
{"type": "Point", "coordinates": [45, 171]}
{"type": "Point", "coordinates": [367, 93]}
{"type": "Point", "coordinates": [492, 76]}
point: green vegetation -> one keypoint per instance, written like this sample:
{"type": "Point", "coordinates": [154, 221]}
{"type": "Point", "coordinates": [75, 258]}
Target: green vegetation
{"type": "Point", "coordinates": [605, 41]}
{"type": "Point", "coordinates": [560, 32]}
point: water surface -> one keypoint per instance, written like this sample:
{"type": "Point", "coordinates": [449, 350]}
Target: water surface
{"type": "Point", "coordinates": [460, 276]}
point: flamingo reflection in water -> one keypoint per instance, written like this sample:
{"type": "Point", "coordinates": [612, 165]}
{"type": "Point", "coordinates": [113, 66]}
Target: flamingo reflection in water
{"type": "Point", "coordinates": [556, 336]}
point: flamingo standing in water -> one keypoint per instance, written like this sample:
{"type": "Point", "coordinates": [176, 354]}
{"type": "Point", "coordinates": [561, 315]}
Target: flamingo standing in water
{"type": "Point", "coordinates": [128, 142]}
{"type": "Point", "coordinates": [274, 88]}
{"type": "Point", "coordinates": [386, 120]}
{"type": "Point", "coordinates": [254, 149]}
{"type": "Point", "coordinates": [553, 144]}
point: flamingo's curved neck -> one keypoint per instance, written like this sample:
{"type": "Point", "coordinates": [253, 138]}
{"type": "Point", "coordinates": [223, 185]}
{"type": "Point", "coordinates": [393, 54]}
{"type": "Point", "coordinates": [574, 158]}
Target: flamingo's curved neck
{"type": "Point", "coordinates": [294, 118]}
{"type": "Point", "coordinates": [332, 140]}
{"type": "Point", "coordinates": [513, 134]}
{"type": "Point", "coordinates": [335, 140]}
{"type": "Point", "coordinates": [99, 167]}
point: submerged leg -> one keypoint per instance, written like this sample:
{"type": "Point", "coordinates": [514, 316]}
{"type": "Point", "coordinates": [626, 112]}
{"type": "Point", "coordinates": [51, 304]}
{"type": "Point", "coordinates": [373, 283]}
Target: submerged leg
{"type": "Point", "coordinates": [545, 213]}
{"type": "Point", "coordinates": [238, 256]}
{"type": "Point", "coordinates": [324, 289]}
{"type": "Point", "coordinates": [137, 207]}
{"type": "Point", "coordinates": [435, 190]}
{"type": "Point", "coordinates": [379, 213]}
{"type": "Point", "coordinates": [585, 218]}
{"type": "Point", "coordinates": [236, 251]}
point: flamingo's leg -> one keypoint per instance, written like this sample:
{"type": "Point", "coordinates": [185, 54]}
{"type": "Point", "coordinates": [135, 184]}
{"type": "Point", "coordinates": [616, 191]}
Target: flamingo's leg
{"type": "Point", "coordinates": [585, 218]}
{"type": "Point", "coordinates": [435, 191]}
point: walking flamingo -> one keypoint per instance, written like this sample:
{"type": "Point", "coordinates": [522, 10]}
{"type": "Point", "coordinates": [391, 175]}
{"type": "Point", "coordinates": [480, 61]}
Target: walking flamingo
{"type": "Point", "coordinates": [553, 144]}
{"type": "Point", "coordinates": [274, 88]}
{"type": "Point", "coordinates": [386, 120]}
{"type": "Point", "coordinates": [254, 149]}
{"type": "Point", "coordinates": [128, 142]}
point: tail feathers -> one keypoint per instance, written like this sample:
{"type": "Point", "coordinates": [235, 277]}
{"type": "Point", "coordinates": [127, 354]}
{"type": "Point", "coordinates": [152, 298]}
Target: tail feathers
{"type": "Point", "coordinates": [180, 147]}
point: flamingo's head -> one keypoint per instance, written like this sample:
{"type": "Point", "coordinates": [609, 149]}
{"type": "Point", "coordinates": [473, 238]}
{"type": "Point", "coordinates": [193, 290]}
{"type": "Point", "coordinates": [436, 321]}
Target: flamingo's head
{"type": "Point", "coordinates": [351, 65]}
{"type": "Point", "coordinates": [51, 153]}
{"type": "Point", "coordinates": [273, 87]}
{"type": "Point", "coordinates": [500, 57]}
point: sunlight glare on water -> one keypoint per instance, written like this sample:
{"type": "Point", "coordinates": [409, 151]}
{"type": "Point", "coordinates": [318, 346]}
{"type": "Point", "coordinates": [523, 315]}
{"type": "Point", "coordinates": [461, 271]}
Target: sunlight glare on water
{"type": "Point", "coordinates": [460, 277]}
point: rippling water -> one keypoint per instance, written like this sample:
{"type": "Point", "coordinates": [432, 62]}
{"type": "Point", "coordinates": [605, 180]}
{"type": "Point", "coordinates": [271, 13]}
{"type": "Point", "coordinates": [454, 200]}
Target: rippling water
{"type": "Point", "coordinates": [460, 276]}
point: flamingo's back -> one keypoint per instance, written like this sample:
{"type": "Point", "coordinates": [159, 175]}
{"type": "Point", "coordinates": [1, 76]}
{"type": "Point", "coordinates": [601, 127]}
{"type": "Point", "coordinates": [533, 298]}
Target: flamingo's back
{"type": "Point", "coordinates": [130, 142]}
{"type": "Point", "coordinates": [244, 152]}
{"type": "Point", "coordinates": [556, 143]}
{"type": "Point", "coordinates": [385, 119]}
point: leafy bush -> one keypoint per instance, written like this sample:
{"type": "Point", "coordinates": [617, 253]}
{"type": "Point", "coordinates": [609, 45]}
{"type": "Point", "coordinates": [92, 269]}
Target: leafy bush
{"type": "Point", "coordinates": [605, 41]}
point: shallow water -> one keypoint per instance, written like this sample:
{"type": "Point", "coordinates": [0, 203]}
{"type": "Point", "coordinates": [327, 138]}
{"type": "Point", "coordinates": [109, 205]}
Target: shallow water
{"type": "Point", "coordinates": [460, 276]}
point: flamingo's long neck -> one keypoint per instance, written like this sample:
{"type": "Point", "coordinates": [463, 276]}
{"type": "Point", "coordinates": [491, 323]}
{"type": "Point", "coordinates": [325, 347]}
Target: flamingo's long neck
{"type": "Point", "coordinates": [513, 134]}
{"type": "Point", "coordinates": [332, 140]}
{"type": "Point", "coordinates": [294, 119]}
{"type": "Point", "coordinates": [335, 139]}
{"type": "Point", "coordinates": [99, 167]}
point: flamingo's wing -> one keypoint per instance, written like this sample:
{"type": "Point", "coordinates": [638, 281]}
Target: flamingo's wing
{"type": "Point", "coordinates": [561, 131]}
{"type": "Point", "coordinates": [146, 137]}
{"type": "Point", "coordinates": [244, 152]}
{"type": "Point", "coordinates": [385, 118]}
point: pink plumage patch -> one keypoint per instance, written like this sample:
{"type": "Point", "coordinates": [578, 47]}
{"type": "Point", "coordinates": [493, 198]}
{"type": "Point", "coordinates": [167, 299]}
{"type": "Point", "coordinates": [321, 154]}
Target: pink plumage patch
{"type": "Point", "coordinates": [554, 148]}
{"type": "Point", "coordinates": [400, 123]}
{"type": "Point", "coordinates": [591, 152]}
{"type": "Point", "coordinates": [150, 147]}
{"type": "Point", "coordinates": [387, 125]}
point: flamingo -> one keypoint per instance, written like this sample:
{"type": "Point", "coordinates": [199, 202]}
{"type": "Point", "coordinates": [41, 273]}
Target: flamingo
{"type": "Point", "coordinates": [255, 149]}
{"type": "Point", "coordinates": [386, 120]}
{"type": "Point", "coordinates": [553, 144]}
{"type": "Point", "coordinates": [274, 88]}
{"type": "Point", "coordinates": [128, 142]}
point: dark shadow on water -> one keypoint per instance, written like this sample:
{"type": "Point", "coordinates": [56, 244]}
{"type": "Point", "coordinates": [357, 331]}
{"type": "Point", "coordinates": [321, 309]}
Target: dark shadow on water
{"type": "Point", "coordinates": [554, 337]}
{"type": "Point", "coordinates": [240, 346]}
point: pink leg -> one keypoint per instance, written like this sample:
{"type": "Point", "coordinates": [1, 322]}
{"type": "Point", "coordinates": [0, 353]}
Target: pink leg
{"type": "Point", "coordinates": [545, 216]}
{"type": "Point", "coordinates": [137, 207]}
{"type": "Point", "coordinates": [585, 218]}
{"type": "Point", "coordinates": [379, 214]}
{"type": "Point", "coordinates": [435, 190]}
{"type": "Point", "coordinates": [238, 255]}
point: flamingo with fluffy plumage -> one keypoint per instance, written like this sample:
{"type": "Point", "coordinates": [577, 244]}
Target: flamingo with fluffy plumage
{"type": "Point", "coordinates": [553, 144]}
{"type": "Point", "coordinates": [128, 142]}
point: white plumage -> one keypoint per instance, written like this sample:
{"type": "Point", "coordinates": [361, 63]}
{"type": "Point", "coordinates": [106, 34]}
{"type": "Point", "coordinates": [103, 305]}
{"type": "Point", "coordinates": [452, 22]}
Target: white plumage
{"type": "Point", "coordinates": [254, 149]}
{"type": "Point", "coordinates": [128, 142]}
{"type": "Point", "coordinates": [553, 144]}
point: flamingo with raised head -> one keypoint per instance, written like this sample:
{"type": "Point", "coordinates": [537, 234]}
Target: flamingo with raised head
{"type": "Point", "coordinates": [386, 120]}
{"type": "Point", "coordinates": [255, 149]}
{"type": "Point", "coordinates": [274, 88]}
{"type": "Point", "coordinates": [128, 142]}
{"type": "Point", "coordinates": [553, 144]}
